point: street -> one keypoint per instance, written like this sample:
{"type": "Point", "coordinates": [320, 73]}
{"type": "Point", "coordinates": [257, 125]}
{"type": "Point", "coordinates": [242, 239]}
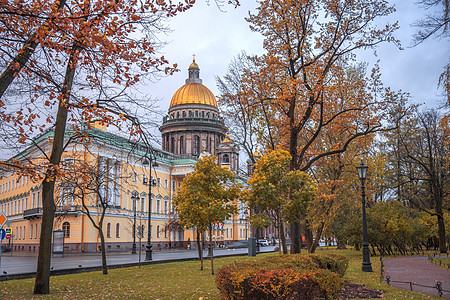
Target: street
{"type": "Point", "coordinates": [19, 263]}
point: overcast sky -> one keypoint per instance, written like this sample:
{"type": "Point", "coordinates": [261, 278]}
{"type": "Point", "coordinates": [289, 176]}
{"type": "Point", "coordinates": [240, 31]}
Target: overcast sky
{"type": "Point", "coordinates": [217, 37]}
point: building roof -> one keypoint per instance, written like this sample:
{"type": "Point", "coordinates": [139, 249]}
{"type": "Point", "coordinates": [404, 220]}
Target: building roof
{"type": "Point", "coordinates": [193, 92]}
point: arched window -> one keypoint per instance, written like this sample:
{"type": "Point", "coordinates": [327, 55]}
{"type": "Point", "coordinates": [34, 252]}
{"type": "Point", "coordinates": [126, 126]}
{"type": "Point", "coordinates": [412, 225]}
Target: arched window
{"type": "Point", "coordinates": [202, 114]}
{"type": "Point", "coordinates": [157, 231]}
{"type": "Point", "coordinates": [108, 230]}
{"type": "Point", "coordinates": [66, 229]}
{"type": "Point", "coordinates": [172, 145]}
{"type": "Point", "coordinates": [178, 114]}
{"type": "Point", "coordinates": [196, 145]}
{"type": "Point", "coordinates": [226, 158]}
{"type": "Point", "coordinates": [181, 145]}
{"type": "Point", "coordinates": [117, 230]}
{"type": "Point", "coordinates": [184, 114]}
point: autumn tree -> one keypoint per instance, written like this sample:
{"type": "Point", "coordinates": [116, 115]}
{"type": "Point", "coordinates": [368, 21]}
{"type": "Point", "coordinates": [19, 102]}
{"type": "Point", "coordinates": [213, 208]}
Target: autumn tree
{"type": "Point", "coordinates": [425, 174]}
{"type": "Point", "coordinates": [279, 193]}
{"type": "Point", "coordinates": [92, 184]}
{"type": "Point", "coordinates": [206, 197]}
{"type": "Point", "coordinates": [309, 45]}
{"type": "Point", "coordinates": [87, 45]}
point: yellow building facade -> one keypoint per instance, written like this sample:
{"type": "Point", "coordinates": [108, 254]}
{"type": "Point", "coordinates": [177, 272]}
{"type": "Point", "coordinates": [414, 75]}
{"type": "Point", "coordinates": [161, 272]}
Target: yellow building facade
{"type": "Point", "coordinates": [110, 175]}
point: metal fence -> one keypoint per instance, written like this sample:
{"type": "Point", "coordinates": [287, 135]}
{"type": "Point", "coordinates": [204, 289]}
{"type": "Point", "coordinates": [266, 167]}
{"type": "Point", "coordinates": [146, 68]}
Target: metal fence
{"type": "Point", "coordinates": [438, 285]}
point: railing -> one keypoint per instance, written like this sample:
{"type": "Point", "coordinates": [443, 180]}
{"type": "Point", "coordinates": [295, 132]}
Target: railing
{"type": "Point", "coordinates": [438, 285]}
{"type": "Point", "coordinates": [32, 213]}
{"type": "Point", "coordinates": [60, 210]}
{"type": "Point", "coordinates": [194, 119]}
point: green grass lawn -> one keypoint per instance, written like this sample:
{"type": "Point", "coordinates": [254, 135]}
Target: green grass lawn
{"type": "Point", "coordinates": [181, 280]}
{"type": "Point", "coordinates": [443, 262]}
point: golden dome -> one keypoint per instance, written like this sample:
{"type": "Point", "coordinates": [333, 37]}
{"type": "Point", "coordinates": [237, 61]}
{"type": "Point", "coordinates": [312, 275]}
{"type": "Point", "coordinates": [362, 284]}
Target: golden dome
{"type": "Point", "coordinates": [193, 93]}
{"type": "Point", "coordinates": [194, 65]}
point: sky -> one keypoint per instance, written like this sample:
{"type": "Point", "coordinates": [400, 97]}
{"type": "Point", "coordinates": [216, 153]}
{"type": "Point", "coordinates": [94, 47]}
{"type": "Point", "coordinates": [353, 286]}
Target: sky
{"type": "Point", "coordinates": [217, 36]}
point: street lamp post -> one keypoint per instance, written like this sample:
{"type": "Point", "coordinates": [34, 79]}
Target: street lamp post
{"type": "Point", "coordinates": [362, 173]}
{"type": "Point", "coordinates": [134, 197]}
{"type": "Point", "coordinates": [148, 248]}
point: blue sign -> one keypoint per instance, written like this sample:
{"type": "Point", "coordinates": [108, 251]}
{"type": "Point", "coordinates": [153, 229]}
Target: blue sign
{"type": "Point", "coordinates": [2, 234]}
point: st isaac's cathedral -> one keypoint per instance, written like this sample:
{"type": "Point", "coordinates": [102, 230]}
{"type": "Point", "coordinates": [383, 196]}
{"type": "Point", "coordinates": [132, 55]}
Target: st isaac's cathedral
{"type": "Point", "coordinates": [192, 126]}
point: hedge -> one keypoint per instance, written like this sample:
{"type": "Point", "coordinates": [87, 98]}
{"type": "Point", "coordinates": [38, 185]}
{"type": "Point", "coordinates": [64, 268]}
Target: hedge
{"type": "Point", "coordinates": [284, 277]}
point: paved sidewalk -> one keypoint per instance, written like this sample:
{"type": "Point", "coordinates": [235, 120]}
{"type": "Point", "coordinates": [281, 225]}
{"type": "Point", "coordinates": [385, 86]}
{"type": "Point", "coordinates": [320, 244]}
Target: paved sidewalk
{"type": "Point", "coordinates": [420, 272]}
{"type": "Point", "coordinates": [24, 264]}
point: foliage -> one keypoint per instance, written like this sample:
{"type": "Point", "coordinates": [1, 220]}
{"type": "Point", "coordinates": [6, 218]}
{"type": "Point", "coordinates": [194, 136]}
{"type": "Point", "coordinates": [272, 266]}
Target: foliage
{"type": "Point", "coordinates": [306, 87]}
{"type": "Point", "coordinates": [283, 277]}
{"type": "Point", "coordinates": [206, 196]}
{"type": "Point", "coordinates": [278, 192]}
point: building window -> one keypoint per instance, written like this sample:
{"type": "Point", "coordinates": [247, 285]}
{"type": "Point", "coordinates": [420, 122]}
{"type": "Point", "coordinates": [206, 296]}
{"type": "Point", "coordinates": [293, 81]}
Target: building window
{"type": "Point", "coordinates": [158, 205]}
{"type": "Point", "coordinates": [31, 231]}
{"type": "Point", "coordinates": [226, 158]}
{"type": "Point", "coordinates": [68, 163]}
{"type": "Point", "coordinates": [172, 145]}
{"type": "Point", "coordinates": [143, 197]}
{"type": "Point", "coordinates": [135, 176]}
{"type": "Point", "coordinates": [166, 183]}
{"type": "Point", "coordinates": [181, 145]}
{"type": "Point", "coordinates": [158, 182]}
{"type": "Point", "coordinates": [66, 196]}
{"type": "Point", "coordinates": [196, 145]}
{"type": "Point", "coordinates": [166, 207]}
{"type": "Point", "coordinates": [157, 231]}
{"type": "Point", "coordinates": [66, 229]}
{"type": "Point", "coordinates": [108, 230]}
{"type": "Point", "coordinates": [117, 230]}
{"type": "Point", "coordinates": [174, 186]}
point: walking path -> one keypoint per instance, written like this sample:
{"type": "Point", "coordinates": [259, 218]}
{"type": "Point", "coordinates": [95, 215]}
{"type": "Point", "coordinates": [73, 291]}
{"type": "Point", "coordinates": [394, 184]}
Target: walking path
{"type": "Point", "coordinates": [418, 273]}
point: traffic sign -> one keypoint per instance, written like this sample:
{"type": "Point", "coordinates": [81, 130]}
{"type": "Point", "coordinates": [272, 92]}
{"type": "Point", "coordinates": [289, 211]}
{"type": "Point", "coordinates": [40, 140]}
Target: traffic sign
{"type": "Point", "coordinates": [2, 234]}
{"type": "Point", "coordinates": [3, 219]}
{"type": "Point", "coordinates": [8, 231]}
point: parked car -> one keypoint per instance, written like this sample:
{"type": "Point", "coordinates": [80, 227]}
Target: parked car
{"type": "Point", "coordinates": [263, 243]}
{"type": "Point", "coordinates": [238, 244]}
{"type": "Point", "coordinates": [5, 249]}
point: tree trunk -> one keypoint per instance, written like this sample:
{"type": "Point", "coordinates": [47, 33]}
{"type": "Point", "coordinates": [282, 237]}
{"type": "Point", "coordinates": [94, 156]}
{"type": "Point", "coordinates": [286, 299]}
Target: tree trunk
{"type": "Point", "coordinates": [309, 238]}
{"type": "Point", "coordinates": [441, 234]}
{"type": "Point", "coordinates": [295, 235]}
{"type": "Point", "coordinates": [211, 250]}
{"type": "Point", "coordinates": [200, 249]}
{"type": "Point", "coordinates": [317, 239]}
{"type": "Point", "coordinates": [103, 248]}
{"type": "Point", "coordinates": [42, 282]}
{"type": "Point", "coordinates": [340, 245]}
{"type": "Point", "coordinates": [283, 238]}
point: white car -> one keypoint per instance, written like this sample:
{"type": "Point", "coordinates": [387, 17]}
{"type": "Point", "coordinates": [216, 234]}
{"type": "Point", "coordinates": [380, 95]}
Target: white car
{"type": "Point", "coordinates": [263, 243]}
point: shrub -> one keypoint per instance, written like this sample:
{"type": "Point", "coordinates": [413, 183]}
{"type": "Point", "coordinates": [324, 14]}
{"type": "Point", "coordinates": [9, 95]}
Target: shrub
{"type": "Point", "coordinates": [283, 277]}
